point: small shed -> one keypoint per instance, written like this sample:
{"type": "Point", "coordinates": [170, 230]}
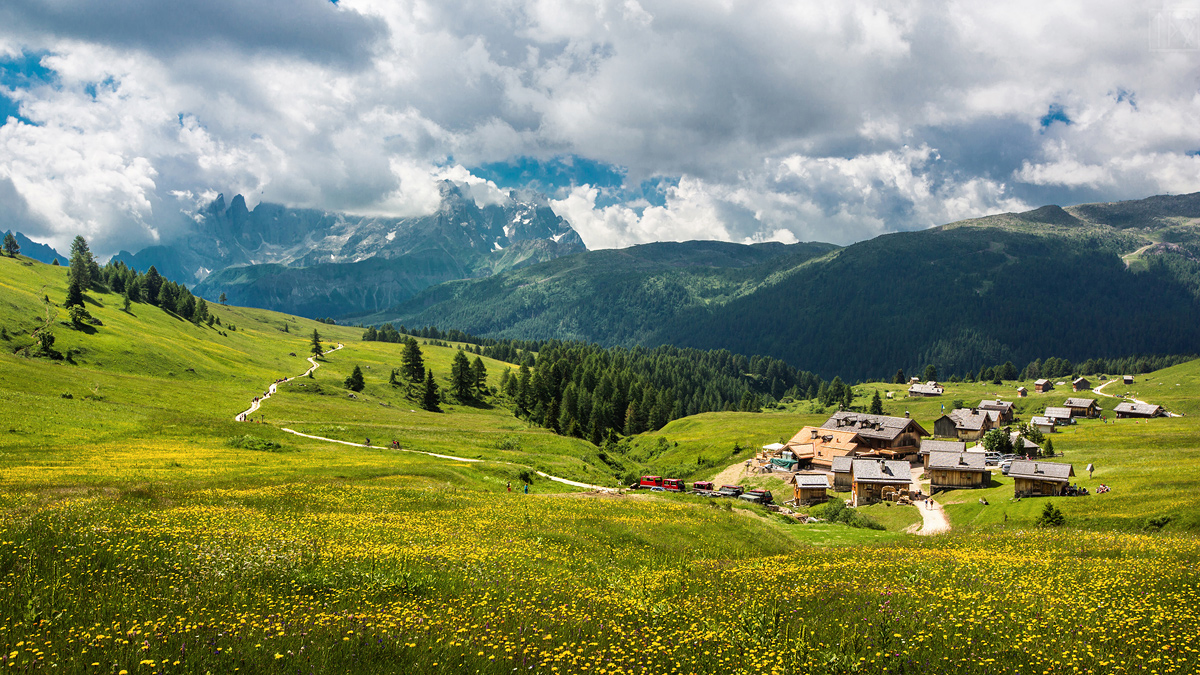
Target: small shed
{"type": "Point", "coordinates": [1060, 415]}
{"type": "Point", "coordinates": [1127, 379]}
{"type": "Point", "coordinates": [870, 478]}
{"type": "Point", "coordinates": [928, 447]}
{"type": "Point", "coordinates": [1022, 392]}
{"type": "Point", "coordinates": [1080, 384]}
{"type": "Point", "coordinates": [957, 470]}
{"type": "Point", "coordinates": [1043, 424]}
{"type": "Point", "coordinates": [1126, 409]}
{"type": "Point", "coordinates": [1040, 479]}
{"type": "Point", "coordinates": [841, 473]}
{"type": "Point", "coordinates": [1083, 407]}
{"type": "Point", "coordinates": [1043, 386]}
{"type": "Point", "coordinates": [810, 488]}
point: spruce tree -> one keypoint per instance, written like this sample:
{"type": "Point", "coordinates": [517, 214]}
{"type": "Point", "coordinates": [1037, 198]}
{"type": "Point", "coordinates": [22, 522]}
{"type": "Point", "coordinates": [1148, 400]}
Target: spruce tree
{"type": "Point", "coordinates": [221, 299]}
{"type": "Point", "coordinates": [152, 284]}
{"type": "Point", "coordinates": [317, 351]}
{"type": "Point", "coordinates": [876, 404]}
{"type": "Point", "coordinates": [899, 378]}
{"type": "Point", "coordinates": [412, 365]}
{"type": "Point", "coordinates": [930, 373]}
{"type": "Point", "coordinates": [355, 381]}
{"type": "Point", "coordinates": [429, 398]}
{"type": "Point", "coordinates": [11, 248]}
{"type": "Point", "coordinates": [479, 375]}
{"type": "Point", "coordinates": [462, 382]}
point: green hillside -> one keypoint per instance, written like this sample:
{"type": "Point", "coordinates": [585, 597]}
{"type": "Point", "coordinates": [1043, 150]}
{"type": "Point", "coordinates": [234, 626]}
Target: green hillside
{"type": "Point", "coordinates": [1073, 283]}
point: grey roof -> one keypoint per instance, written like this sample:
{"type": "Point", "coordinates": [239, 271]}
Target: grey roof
{"type": "Point", "coordinates": [1041, 421]}
{"type": "Point", "coordinates": [811, 480]}
{"type": "Point", "coordinates": [961, 461]}
{"type": "Point", "coordinates": [1027, 445]}
{"type": "Point", "coordinates": [1038, 382]}
{"type": "Point", "coordinates": [872, 426]}
{"type": "Point", "coordinates": [1138, 408]}
{"type": "Point", "coordinates": [926, 389]}
{"type": "Point", "coordinates": [841, 464]}
{"type": "Point", "coordinates": [1051, 471]}
{"type": "Point", "coordinates": [966, 420]}
{"type": "Point", "coordinates": [928, 446]}
{"type": "Point", "coordinates": [881, 471]}
{"type": "Point", "coordinates": [1060, 413]}
{"type": "Point", "coordinates": [1079, 402]}
{"type": "Point", "coordinates": [1078, 380]}
{"type": "Point", "coordinates": [996, 404]}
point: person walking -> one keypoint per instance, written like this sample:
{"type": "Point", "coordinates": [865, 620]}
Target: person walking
{"type": "Point", "coordinates": [510, 486]}
{"type": "Point", "coordinates": [527, 488]}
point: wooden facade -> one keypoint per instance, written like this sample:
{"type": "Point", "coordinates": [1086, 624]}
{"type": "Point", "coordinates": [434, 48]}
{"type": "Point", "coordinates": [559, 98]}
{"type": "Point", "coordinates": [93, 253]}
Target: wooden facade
{"type": "Point", "coordinates": [841, 473]}
{"type": "Point", "coordinates": [890, 437]}
{"type": "Point", "coordinates": [1004, 410]}
{"type": "Point", "coordinates": [957, 471]}
{"type": "Point", "coordinates": [1080, 384]}
{"type": "Point", "coordinates": [1082, 407]}
{"type": "Point", "coordinates": [1126, 409]}
{"type": "Point", "coordinates": [871, 478]}
{"type": "Point", "coordinates": [1040, 479]}
{"type": "Point", "coordinates": [967, 424]}
{"type": "Point", "coordinates": [1043, 386]}
{"type": "Point", "coordinates": [810, 488]}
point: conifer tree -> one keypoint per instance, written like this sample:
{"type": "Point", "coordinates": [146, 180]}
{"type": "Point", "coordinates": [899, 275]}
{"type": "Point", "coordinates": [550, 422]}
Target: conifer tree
{"type": "Point", "coordinates": [412, 365]}
{"type": "Point", "coordinates": [11, 248]}
{"type": "Point", "coordinates": [317, 351]}
{"type": "Point", "coordinates": [153, 283]}
{"type": "Point", "coordinates": [355, 382]}
{"type": "Point", "coordinates": [899, 378]}
{"type": "Point", "coordinates": [876, 404]}
{"type": "Point", "coordinates": [479, 375]}
{"type": "Point", "coordinates": [430, 397]}
{"type": "Point", "coordinates": [462, 382]}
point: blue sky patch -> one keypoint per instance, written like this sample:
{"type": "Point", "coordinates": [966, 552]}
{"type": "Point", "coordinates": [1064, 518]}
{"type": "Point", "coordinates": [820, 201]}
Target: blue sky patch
{"type": "Point", "coordinates": [552, 175]}
{"type": "Point", "coordinates": [21, 72]}
{"type": "Point", "coordinates": [1056, 113]}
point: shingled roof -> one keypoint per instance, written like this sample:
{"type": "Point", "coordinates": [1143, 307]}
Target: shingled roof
{"type": "Point", "coordinates": [926, 389]}
{"type": "Point", "coordinates": [1058, 413]}
{"type": "Point", "coordinates": [958, 461]}
{"type": "Point", "coordinates": [1041, 421]}
{"type": "Point", "coordinates": [1079, 402]}
{"type": "Point", "coordinates": [996, 404]}
{"type": "Point", "coordinates": [881, 471]}
{"type": "Point", "coordinates": [928, 446]}
{"type": "Point", "coordinates": [966, 419]}
{"type": "Point", "coordinates": [810, 480]}
{"type": "Point", "coordinates": [1051, 471]}
{"type": "Point", "coordinates": [873, 426]}
{"type": "Point", "coordinates": [842, 464]}
{"type": "Point", "coordinates": [1138, 408]}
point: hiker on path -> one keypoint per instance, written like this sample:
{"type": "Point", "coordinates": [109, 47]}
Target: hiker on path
{"type": "Point", "coordinates": [527, 488]}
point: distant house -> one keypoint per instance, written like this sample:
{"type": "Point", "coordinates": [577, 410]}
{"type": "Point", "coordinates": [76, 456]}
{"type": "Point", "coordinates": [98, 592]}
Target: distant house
{"type": "Point", "coordinates": [1080, 384]}
{"type": "Point", "coordinates": [1027, 446]}
{"type": "Point", "coordinates": [1022, 392]}
{"type": "Point", "coordinates": [818, 447]}
{"type": "Point", "coordinates": [1128, 379]}
{"type": "Point", "coordinates": [1042, 386]}
{"type": "Point", "coordinates": [1039, 479]}
{"type": "Point", "coordinates": [890, 437]}
{"type": "Point", "coordinates": [928, 389]}
{"type": "Point", "coordinates": [1043, 424]}
{"type": "Point", "coordinates": [1005, 408]}
{"type": "Point", "coordinates": [929, 446]}
{"type": "Point", "coordinates": [968, 424]}
{"type": "Point", "coordinates": [841, 473]}
{"type": "Point", "coordinates": [1082, 407]}
{"type": "Point", "coordinates": [810, 488]}
{"type": "Point", "coordinates": [870, 478]}
{"type": "Point", "coordinates": [957, 470]}
{"type": "Point", "coordinates": [1058, 415]}
{"type": "Point", "coordinates": [1126, 409]}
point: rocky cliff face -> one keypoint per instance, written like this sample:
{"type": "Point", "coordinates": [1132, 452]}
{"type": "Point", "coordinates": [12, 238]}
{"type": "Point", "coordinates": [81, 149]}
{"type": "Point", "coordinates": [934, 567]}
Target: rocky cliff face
{"type": "Point", "coordinates": [321, 263]}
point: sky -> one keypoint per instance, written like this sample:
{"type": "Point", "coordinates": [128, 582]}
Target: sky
{"type": "Point", "coordinates": [641, 120]}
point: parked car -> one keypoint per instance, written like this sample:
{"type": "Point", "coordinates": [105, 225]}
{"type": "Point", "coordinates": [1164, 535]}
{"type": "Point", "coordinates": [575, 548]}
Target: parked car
{"type": "Point", "coordinates": [992, 458]}
{"type": "Point", "coordinates": [758, 496]}
{"type": "Point", "coordinates": [1005, 466]}
{"type": "Point", "coordinates": [730, 491]}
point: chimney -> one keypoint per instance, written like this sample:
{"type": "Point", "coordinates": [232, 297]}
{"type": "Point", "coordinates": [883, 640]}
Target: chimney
{"type": "Point", "coordinates": [814, 433]}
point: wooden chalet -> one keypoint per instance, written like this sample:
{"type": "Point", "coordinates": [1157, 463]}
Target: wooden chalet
{"type": "Point", "coordinates": [1039, 479]}
{"type": "Point", "coordinates": [872, 478]}
{"type": "Point", "coordinates": [928, 389]}
{"type": "Point", "coordinates": [889, 437]}
{"type": "Point", "coordinates": [1004, 408]}
{"type": "Point", "coordinates": [1027, 447]}
{"type": "Point", "coordinates": [1043, 424]}
{"type": "Point", "coordinates": [841, 473]}
{"type": "Point", "coordinates": [929, 446]}
{"type": "Point", "coordinates": [1022, 392]}
{"type": "Point", "coordinates": [968, 424]}
{"type": "Point", "coordinates": [957, 470]}
{"type": "Point", "coordinates": [809, 488]}
{"type": "Point", "coordinates": [1082, 407]}
{"type": "Point", "coordinates": [817, 447]}
{"type": "Point", "coordinates": [1127, 379]}
{"type": "Point", "coordinates": [1126, 409]}
{"type": "Point", "coordinates": [1043, 386]}
{"type": "Point", "coordinates": [1060, 415]}
{"type": "Point", "coordinates": [1080, 384]}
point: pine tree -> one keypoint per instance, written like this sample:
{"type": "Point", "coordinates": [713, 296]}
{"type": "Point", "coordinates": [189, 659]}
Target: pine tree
{"type": "Point", "coordinates": [153, 283]}
{"type": "Point", "coordinates": [479, 375]}
{"type": "Point", "coordinates": [81, 261]}
{"type": "Point", "coordinates": [876, 404]}
{"type": "Point", "coordinates": [430, 397]}
{"type": "Point", "coordinates": [317, 351]}
{"type": "Point", "coordinates": [930, 373]}
{"type": "Point", "coordinates": [412, 365]}
{"type": "Point", "coordinates": [355, 381]}
{"type": "Point", "coordinates": [221, 299]}
{"type": "Point", "coordinates": [462, 382]}
{"type": "Point", "coordinates": [899, 378]}
{"type": "Point", "coordinates": [11, 248]}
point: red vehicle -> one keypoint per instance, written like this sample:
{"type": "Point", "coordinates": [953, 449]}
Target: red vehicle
{"type": "Point", "coordinates": [674, 485]}
{"type": "Point", "coordinates": [650, 482]}
{"type": "Point", "coordinates": [705, 485]}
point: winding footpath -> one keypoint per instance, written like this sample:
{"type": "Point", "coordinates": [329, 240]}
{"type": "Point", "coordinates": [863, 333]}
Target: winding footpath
{"type": "Point", "coordinates": [1100, 390]}
{"type": "Point", "coordinates": [254, 405]}
{"type": "Point", "coordinates": [934, 519]}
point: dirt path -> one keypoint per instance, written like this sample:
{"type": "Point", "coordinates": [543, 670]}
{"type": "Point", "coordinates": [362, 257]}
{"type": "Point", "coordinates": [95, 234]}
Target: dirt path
{"type": "Point", "coordinates": [731, 475]}
{"type": "Point", "coordinates": [255, 404]}
{"type": "Point", "coordinates": [1128, 257]}
{"type": "Point", "coordinates": [1100, 390]}
{"type": "Point", "coordinates": [934, 520]}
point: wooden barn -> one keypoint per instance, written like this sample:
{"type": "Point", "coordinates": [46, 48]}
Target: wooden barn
{"type": "Point", "coordinates": [1127, 379]}
{"type": "Point", "coordinates": [957, 471]}
{"type": "Point", "coordinates": [1004, 408]}
{"type": "Point", "coordinates": [1043, 386]}
{"type": "Point", "coordinates": [1126, 409]}
{"type": "Point", "coordinates": [872, 478]}
{"type": "Point", "coordinates": [809, 488]}
{"type": "Point", "coordinates": [1080, 384]}
{"type": "Point", "coordinates": [1022, 392]}
{"type": "Point", "coordinates": [1040, 479]}
{"type": "Point", "coordinates": [841, 473]}
{"type": "Point", "coordinates": [968, 424]}
{"type": "Point", "coordinates": [890, 437]}
{"type": "Point", "coordinates": [1043, 424]}
{"type": "Point", "coordinates": [1060, 415]}
{"type": "Point", "coordinates": [1082, 407]}
{"type": "Point", "coordinates": [928, 389]}
{"type": "Point", "coordinates": [928, 447]}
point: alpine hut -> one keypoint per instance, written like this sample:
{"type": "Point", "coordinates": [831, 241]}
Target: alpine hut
{"type": "Point", "coordinates": [1039, 479]}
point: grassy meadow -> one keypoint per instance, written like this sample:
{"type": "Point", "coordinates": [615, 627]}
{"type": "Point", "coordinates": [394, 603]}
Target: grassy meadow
{"type": "Point", "coordinates": [139, 534]}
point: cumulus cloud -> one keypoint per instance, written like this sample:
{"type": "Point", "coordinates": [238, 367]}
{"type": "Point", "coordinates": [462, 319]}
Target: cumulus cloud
{"type": "Point", "coordinates": [768, 121]}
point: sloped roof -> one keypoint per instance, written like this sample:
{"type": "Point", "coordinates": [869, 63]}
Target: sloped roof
{"type": "Point", "coordinates": [1078, 380]}
{"type": "Point", "coordinates": [842, 464]}
{"type": "Point", "coordinates": [958, 461]}
{"type": "Point", "coordinates": [927, 389]}
{"type": "Point", "coordinates": [1079, 402]}
{"type": "Point", "coordinates": [928, 446]}
{"type": "Point", "coordinates": [1027, 445]}
{"type": "Point", "coordinates": [1051, 471]}
{"type": "Point", "coordinates": [1138, 408]}
{"type": "Point", "coordinates": [881, 471]}
{"type": "Point", "coordinates": [996, 404]}
{"type": "Point", "coordinates": [838, 439]}
{"type": "Point", "coordinates": [1042, 421]}
{"type": "Point", "coordinates": [966, 420]}
{"type": "Point", "coordinates": [873, 426]}
{"type": "Point", "coordinates": [1041, 382]}
{"type": "Point", "coordinates": [810, 480]}
{"type": "Point", "coordinates": [1061, 413]}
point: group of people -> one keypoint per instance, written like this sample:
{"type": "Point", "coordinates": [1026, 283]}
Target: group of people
{"type": "Point", "coordinates": [510, 487]}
